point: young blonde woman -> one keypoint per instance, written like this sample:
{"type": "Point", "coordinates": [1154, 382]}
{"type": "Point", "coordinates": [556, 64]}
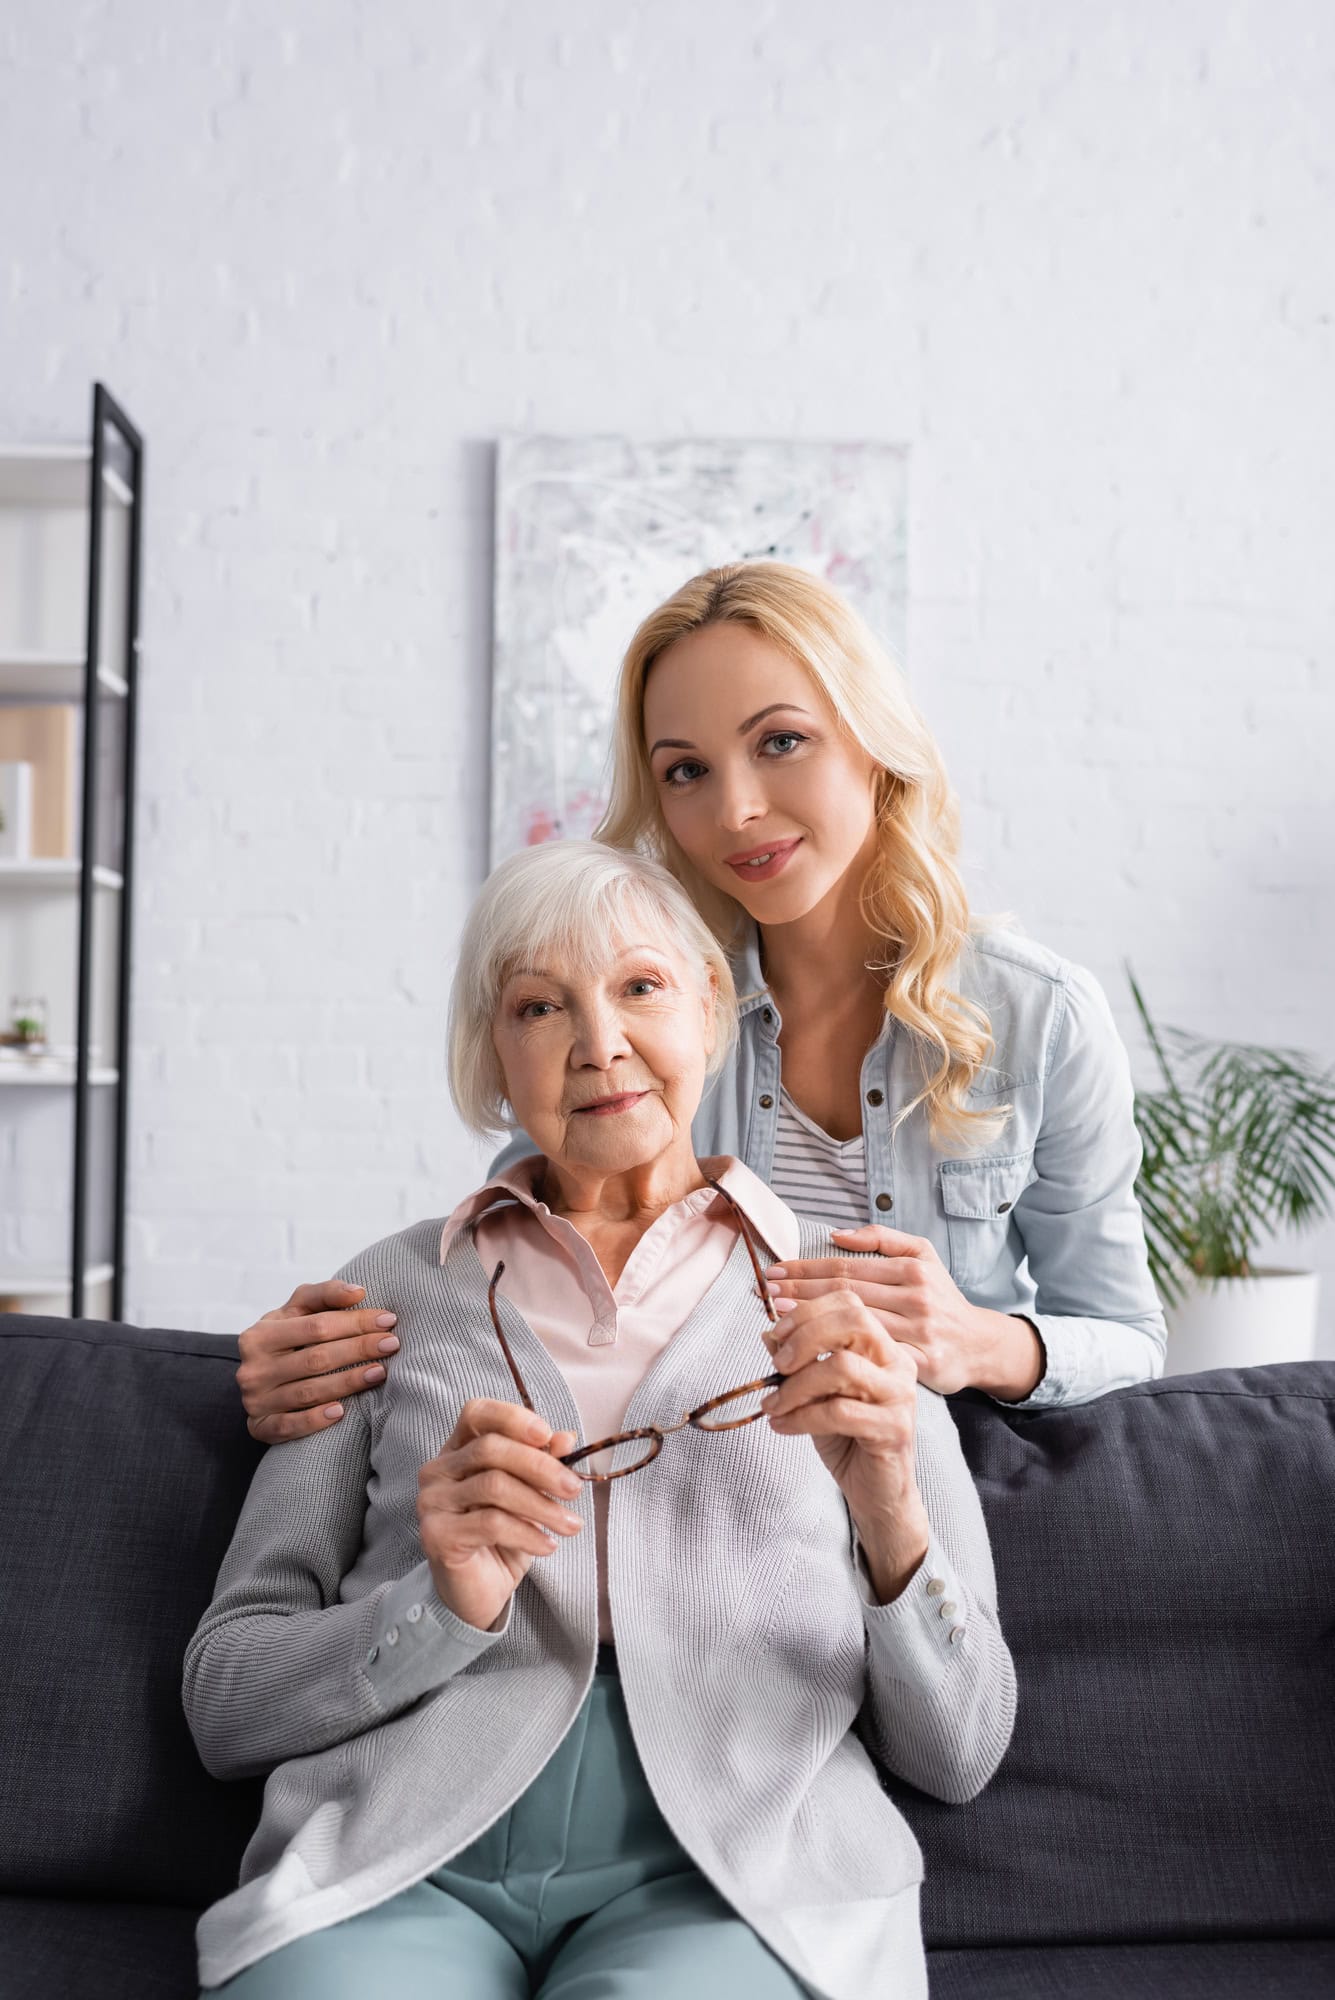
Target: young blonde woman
{"type": "Point", "coordinates": [952, 1094]}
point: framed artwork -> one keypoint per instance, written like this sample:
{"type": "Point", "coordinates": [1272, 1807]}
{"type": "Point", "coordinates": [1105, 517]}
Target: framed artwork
{"type": "Point", "coordinates": [592, 533]}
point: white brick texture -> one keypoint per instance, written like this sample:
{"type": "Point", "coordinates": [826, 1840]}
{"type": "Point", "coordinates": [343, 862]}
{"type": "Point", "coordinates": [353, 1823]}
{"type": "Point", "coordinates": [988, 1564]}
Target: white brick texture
{"type": "Point", "coordinates": [1079, 260]}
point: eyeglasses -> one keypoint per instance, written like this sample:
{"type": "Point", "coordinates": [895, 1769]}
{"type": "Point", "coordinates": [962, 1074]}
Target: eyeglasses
{"type": "Point", "coordinates": [721, 1413]}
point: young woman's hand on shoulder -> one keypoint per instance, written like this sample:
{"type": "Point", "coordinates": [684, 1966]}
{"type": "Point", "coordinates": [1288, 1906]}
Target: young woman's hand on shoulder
{"type": "Point", "coordinates": [300, 1359]}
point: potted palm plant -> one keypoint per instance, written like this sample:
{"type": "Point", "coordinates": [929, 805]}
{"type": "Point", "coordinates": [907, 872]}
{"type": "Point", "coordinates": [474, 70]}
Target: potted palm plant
{"type": "Point", "coordinates": [1239, 1142]}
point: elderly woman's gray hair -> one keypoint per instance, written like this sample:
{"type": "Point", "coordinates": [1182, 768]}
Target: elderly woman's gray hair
{"type": "Point", "coordinates": [571, 896]}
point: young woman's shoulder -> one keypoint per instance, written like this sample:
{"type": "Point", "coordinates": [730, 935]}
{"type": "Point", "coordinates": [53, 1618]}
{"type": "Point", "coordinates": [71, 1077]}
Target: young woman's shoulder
{"type": "Point", "coordinates": [999, 952]}
{"type": "Point", "coordinates": [1034, 998]}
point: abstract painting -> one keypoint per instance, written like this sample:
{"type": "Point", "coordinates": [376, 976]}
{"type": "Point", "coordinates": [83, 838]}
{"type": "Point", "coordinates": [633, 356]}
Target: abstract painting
{"type": "Point", "coordinates": [592, 533]}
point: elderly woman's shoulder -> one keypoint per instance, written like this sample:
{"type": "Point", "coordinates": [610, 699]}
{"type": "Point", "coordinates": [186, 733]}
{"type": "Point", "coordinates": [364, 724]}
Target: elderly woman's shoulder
{"type": "Point", "coordinates": [395, 1259]}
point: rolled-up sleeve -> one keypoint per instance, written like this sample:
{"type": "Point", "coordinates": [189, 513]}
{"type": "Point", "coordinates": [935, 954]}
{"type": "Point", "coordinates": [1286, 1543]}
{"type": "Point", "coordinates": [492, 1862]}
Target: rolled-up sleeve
{"type": "Point", "coordinates": [940, 1702]}
{"type": "Point", "coordinates": [1096, 1309]}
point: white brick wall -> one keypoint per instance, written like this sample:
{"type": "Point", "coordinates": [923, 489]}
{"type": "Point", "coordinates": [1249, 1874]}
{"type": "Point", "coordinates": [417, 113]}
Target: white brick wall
{"type": "Point", "coordinates": [1079, 260]}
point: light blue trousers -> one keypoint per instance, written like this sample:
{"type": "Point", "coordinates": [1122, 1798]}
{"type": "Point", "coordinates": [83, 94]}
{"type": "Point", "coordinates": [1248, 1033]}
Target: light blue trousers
{"type": "Point", "coordinates": [580, 1892]}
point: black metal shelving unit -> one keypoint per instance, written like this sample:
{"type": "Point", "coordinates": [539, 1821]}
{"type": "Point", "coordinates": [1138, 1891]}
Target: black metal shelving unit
{"type": "Point", "coordinates": [113, 436]}
{"type": "Point", "coordinates": [110, 477]}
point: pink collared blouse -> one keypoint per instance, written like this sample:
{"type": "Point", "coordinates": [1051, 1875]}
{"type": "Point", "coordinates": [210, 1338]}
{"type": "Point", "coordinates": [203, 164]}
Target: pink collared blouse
{"type": "Point", "coordinates": [605, 1338]}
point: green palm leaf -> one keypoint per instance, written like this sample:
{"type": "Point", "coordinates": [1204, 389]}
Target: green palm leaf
{"type": "Point", "coordinates": [1239, 1141]}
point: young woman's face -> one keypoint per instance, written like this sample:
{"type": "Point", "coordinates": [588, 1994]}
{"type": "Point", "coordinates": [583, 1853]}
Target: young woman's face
{"type": "Point", "coordinates": [763, 792]}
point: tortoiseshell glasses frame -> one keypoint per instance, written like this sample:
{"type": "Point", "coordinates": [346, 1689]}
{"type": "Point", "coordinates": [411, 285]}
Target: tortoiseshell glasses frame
{"type": "Point", "coordinates": [655, 1433]}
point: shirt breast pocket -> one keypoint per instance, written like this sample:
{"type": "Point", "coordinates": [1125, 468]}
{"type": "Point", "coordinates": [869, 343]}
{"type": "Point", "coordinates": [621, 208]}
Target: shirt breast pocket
{"type": "Point", "coordinates": [978, 1196]}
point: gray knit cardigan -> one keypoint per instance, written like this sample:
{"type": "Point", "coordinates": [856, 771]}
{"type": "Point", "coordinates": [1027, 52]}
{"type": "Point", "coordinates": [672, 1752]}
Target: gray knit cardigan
{"type": "Point", "coordinates": [762, 1683]}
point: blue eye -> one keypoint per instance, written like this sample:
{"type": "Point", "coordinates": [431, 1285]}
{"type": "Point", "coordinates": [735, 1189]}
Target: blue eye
{"type": "Point", "coordinates": [525, 1013]}
{"type": "Point", "coordinates": [671, 777]}
{"type": "Point", "coordinates": [785, 736]}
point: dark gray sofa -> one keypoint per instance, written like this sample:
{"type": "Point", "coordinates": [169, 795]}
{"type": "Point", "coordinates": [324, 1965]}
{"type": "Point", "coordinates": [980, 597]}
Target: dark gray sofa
{"type": "Point", "coordinates": [1162, 1827]}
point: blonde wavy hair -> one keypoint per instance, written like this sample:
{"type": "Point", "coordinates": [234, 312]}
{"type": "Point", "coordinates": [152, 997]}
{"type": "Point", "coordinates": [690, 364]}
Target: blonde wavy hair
{"type": "Point", "coordinates": [912, 896]}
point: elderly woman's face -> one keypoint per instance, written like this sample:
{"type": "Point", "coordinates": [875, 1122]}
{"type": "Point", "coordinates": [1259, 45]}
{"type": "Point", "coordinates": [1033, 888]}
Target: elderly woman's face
{"type": "Point", "coordinates": [606, 1071]}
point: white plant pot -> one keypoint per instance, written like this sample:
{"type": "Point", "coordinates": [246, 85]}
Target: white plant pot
{"type": "Point", "coordinates": [1244, 1322]}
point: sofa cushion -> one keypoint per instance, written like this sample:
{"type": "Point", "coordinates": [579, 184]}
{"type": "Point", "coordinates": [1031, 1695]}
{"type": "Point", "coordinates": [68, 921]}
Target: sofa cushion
{"type": "Point", "coordinates": [1268, 1969]}
{"type": "Point", "coordinates": [1166, 1576]}
{"type": "Point", "coordinates": [124, 1460]}
{"type": "Point", "coordinates": [52, 1948]}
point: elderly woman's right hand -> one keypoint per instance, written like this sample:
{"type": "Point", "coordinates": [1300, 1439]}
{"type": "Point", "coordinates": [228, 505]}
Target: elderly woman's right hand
{"type": "Point", "coordinates": [487, 1506]}
{"type": "Point", "coordinates": [289, 1357]}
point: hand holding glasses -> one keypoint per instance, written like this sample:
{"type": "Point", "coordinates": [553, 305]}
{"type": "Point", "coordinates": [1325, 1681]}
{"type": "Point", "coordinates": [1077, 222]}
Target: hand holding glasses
{"type": "Point", "coordinates": [632, 1450]}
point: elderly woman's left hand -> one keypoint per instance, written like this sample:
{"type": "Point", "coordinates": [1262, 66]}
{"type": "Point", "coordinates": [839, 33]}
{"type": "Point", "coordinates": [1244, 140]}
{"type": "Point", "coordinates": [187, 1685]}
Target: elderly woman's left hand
{"type": "Point", "coordinates": [853, 1390]}
{"type": "Point", "coordinates": [917, 1303]}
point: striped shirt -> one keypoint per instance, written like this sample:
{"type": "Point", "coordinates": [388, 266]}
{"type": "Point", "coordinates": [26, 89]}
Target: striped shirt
{"type": "Point", "coordinates": [817, 1175]}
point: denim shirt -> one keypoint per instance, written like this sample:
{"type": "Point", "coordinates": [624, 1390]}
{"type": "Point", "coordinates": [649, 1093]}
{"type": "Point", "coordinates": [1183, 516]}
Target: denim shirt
{"type": "Point", "coordinates": [1043, 1221]}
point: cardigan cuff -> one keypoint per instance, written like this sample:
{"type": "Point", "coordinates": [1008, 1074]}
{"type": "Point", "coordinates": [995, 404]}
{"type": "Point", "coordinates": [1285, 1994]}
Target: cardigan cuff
{"type": "Point", "coordinates": [417, 1642]}
{"type": "Point", "coordinates": [924, 1633]}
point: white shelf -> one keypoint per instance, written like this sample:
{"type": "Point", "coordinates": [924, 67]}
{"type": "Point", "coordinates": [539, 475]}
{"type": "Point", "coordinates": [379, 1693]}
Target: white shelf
{"type": "Point", "coordinates": [49, 677]}
{"type": "Point", "coordinates": [54, 875]}
{"type": "Point", "coordinates": [49, 1284]}
{"type": "Point", "coordinates": [53, 475]}
{"type": "Point", "coordinates": [26, 1072]}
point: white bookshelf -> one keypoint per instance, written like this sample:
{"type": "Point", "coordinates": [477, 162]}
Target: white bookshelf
{"type": "Point", "coordinates": [62, 1152]}
{"type": "Point", "coordinates": [51, 677]}
{"type": "Point", "coordinates": [57, 875]}
{"type": "Point", "coordinates": [31, 1072]}
{"type": "Point", "coordinates": [54, 476]}
{"type": "Point", "coordinates": [38, 1290]}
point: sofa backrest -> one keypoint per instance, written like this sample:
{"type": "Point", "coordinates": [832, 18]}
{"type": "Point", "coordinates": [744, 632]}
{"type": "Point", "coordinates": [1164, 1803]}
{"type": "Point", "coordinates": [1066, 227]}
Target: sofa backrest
{"type": "Point", "coordinates": [124, 1460]}
{"type": "Point", "coordinates": [1166, 1576]}
{"type": "Point", "coordinates": [1166, 1568]}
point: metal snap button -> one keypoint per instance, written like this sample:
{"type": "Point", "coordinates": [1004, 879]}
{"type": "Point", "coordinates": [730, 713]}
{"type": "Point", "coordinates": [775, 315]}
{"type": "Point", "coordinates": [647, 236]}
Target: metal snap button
{"type": "Point", "coordinates": [885, 1202]}
{"type": "Point", "coordinates": [1003, 1206]}
{"type": "Point", "coordinates": [876, 1097]}
{"type": "Point", "coordinates": [767, 1015]}
{"type": "Point", "coordinates": [766, 1102]}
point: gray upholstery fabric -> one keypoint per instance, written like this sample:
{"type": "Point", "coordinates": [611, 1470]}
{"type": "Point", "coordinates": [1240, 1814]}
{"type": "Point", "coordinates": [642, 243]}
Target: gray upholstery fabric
{"type": "Point", "coordinates": [52, 1948]}
{"type": "Point", "coordinates": [1268, 1970]}
{"type": "Point", "coordinates": [124, 1459]}
{"type": "Point", "coordinates": [1166, 1581]}
{"type": "Point", "coordinates": [1166, 1571]}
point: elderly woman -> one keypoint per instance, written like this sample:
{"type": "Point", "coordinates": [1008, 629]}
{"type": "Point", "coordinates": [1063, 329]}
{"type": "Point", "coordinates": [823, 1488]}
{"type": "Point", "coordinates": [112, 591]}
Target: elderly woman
{"type": "Point", "coordinates": [549, 1712]}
